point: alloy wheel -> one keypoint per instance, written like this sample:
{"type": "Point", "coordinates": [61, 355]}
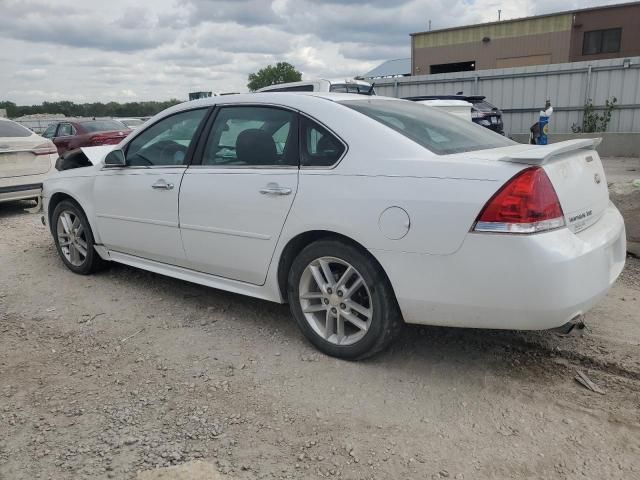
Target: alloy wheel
{"type": "Point", "coordinates": [72, 238]}
{"type": "Point", "coordinates": [335, 300]}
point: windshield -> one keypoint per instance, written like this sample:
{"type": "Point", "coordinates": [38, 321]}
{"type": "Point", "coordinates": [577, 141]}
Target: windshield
{"type": "Point", "coordinates": [11, 129]}
{"type": "Point", "coordinates": [436, 131]}
{"type": "Point", "coordinates": [102, 125]}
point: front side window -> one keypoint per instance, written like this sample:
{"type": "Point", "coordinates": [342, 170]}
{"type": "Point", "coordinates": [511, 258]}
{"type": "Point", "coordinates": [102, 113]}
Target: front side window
{"type": "Point", "coordinates": [252, 136]}
{"type": "Point", "coordinates": [601, 41]}
{"type": "Point", "coordinates": [165, 142]}
{"type": "Point", "coordinates": [320, 148]}
{"type": "Point", "coordinates": [440, 133]}
{"type": "Point", "coordinates": [50, 131]}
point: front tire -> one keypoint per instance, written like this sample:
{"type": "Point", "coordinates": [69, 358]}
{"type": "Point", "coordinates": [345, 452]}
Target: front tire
{"type": "Point", "coordinates": [342, 300]}
{"type": "Point", "coordinates": [74, 239]}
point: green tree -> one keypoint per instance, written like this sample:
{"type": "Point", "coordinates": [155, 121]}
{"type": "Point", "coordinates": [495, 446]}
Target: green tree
{"type": "Point", "coordinates": [98, 109]}
{"type": "Point", "coordinates": [281, 72]}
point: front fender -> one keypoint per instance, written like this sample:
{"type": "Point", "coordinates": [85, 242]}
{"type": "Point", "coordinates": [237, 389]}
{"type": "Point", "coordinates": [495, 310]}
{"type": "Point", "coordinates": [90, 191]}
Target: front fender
{"type": "Point", "coordinates": [77, 187]}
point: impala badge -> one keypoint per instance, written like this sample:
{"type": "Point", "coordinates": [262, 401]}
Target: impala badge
{"type": "Point", "coordinates": [597, 178]}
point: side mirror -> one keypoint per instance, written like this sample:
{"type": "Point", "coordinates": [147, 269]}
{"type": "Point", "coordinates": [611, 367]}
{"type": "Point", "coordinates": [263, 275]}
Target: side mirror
{"type": "Point", "coordinates": [115, 158]}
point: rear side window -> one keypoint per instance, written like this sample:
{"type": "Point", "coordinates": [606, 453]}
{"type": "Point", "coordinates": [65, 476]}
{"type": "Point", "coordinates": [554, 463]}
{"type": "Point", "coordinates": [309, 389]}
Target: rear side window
{"type": "Point", "coordinates": [442, 134]}
{"type": "Point", "coordinates": [248, 136]}
{"type": "Point", "coordinates": [11, 129]}
{"type": "Point", "coordinates": [320, 148]}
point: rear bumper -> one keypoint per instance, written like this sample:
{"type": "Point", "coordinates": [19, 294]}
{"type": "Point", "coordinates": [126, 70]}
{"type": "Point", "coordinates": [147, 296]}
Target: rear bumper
{"type": "Point", "coordinates": [20, 192]}
{"type": "Point", "coordinates": [530, 282]}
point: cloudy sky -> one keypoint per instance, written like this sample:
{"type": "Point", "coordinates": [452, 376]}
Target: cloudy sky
{"type": "Point", "coordinates": [123, 50]}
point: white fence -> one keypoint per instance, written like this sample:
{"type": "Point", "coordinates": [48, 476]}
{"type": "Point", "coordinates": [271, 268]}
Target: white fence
{"type": "Point", "coordinates": [522, 92]}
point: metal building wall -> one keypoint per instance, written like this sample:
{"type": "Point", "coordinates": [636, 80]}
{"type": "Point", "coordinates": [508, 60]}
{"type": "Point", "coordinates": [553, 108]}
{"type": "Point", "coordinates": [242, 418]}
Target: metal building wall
{"type": "Point", "coordinates": [521, 92]}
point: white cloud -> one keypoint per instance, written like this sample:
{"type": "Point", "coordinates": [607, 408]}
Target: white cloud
{"type": "Point", "coordinates": [158, 49]}
{"type": "Point", "coordinates": [31, 74]}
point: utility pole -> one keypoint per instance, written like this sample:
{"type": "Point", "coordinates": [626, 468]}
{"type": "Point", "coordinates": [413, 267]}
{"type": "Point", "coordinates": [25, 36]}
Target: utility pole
{"type": "Point", "coordinates": [499, 12]}
{"type": "Point", "coordinates": [429, 25]}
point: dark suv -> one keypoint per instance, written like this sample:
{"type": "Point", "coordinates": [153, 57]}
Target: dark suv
{"type": "Point", "coordinates": [482, 112]}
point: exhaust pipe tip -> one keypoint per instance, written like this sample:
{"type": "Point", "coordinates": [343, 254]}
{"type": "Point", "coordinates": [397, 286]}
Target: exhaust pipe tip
{"type": "Point", "coordinates": [574, 326]}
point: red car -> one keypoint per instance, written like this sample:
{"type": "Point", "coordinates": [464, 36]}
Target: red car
{"type": "Point", "coordinates": [71, 134]}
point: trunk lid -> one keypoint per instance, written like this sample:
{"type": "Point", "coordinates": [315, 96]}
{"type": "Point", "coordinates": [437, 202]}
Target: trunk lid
{"type": "Point", "coordinates": [17, 157]}
{"type": "Point", "coordinates": [575, 170]}
{"type": "Point", "coordinates": [579, 179]}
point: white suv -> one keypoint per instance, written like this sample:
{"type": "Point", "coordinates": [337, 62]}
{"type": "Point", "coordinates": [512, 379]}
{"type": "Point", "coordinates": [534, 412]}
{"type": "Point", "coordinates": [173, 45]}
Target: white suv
{"type": "Point", "coordinates": [323, 85]}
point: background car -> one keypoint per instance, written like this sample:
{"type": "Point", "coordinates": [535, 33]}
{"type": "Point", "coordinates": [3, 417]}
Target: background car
{"type": "Point", "coordinates": [75, 133]}
{"type": "Point", "coordinates": [131, 123]}
{"type": "Point", "coordinates": [459, 108]}
{"type": "Point", "coordinates": [323, 85]}
{"type": "Point", "coordinates": [482, 112]}
{"type": "Point", "coordinates": [361, 212]}
{"type": "Point", "coordinates": [25, 161]}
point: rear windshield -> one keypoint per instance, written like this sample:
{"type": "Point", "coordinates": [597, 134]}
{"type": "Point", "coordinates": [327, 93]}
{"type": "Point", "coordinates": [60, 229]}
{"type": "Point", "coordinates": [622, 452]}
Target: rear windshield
{"type": "Point", "coordinates": [352, 88]}
{"type": "Point", "coordinates": [293, 88]}
{"type": "Point", "coordinates": [131, 122]}
{"type": "Point", "coordinates": [435, 130]}
{"type": "Point", "coordinates": [484, 105]}
{"type": "Point", "coordinates": [102, 125]}
{"type": "Point", "coordinates": [11, 130]}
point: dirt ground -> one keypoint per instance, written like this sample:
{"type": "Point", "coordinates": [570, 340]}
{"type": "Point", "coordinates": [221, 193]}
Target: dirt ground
{"type": "Point", "coordinates": [111, 375]}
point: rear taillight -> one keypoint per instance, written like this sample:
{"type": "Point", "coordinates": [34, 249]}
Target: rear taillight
{"type": "Point", "coordinates": [97, 140]}
{"type": "Point", "coordinates": [525, 204]}
{"type": "Point", "coordinates": [47, 148]}
{"type": "Point", "coordinates": [105, 139]}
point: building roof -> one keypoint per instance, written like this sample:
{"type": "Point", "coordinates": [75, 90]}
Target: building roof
{"type": "Point", "coordinates": [565, 12]}
{"type": "Point", "coordinates": [391, 68]}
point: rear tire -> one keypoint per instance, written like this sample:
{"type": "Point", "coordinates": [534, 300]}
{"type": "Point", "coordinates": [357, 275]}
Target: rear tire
{"type": "Point", "coordinates": [351, 315]}
{"type": "Point", "coordinates": [74, 239]}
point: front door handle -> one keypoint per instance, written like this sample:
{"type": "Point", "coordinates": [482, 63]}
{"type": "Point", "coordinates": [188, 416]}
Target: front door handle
{"type": "Point", "coordinates": [275, 189]}
{"type": "Point", "coordinates": [162, 185]}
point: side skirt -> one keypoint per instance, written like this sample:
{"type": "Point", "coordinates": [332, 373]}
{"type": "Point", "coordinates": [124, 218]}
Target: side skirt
{"type": "Point", "coordinates": [193, 276]}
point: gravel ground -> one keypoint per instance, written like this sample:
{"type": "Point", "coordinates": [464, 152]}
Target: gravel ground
{"type": "Point", "coordinates": [125, 371]}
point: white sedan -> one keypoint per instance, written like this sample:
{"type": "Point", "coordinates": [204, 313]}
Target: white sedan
{"type": "Point", "coordinates": [361, 212]}
{"type": "Point", "coordinates": [26, 159]}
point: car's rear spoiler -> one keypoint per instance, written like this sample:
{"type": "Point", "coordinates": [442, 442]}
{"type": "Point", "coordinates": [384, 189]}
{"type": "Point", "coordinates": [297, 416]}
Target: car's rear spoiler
{"type": "Point", "coordinates": [540, 154]}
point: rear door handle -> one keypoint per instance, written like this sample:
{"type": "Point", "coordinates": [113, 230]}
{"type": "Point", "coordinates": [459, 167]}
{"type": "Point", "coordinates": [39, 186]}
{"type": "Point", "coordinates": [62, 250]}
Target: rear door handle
{"type": "Point", "coordinates": [162, 185]}
{"type": "Point", "coordinates": [275, 189]}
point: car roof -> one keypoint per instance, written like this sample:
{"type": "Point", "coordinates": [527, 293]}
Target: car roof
{"type": "Point", "coordinates": [272, 98]}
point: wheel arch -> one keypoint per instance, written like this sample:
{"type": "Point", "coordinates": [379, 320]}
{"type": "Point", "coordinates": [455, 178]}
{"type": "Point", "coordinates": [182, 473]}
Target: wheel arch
{"type": "Point", "coordinates": [59, 197]}
{"type": "Point", "coordinates": [296, 244]}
